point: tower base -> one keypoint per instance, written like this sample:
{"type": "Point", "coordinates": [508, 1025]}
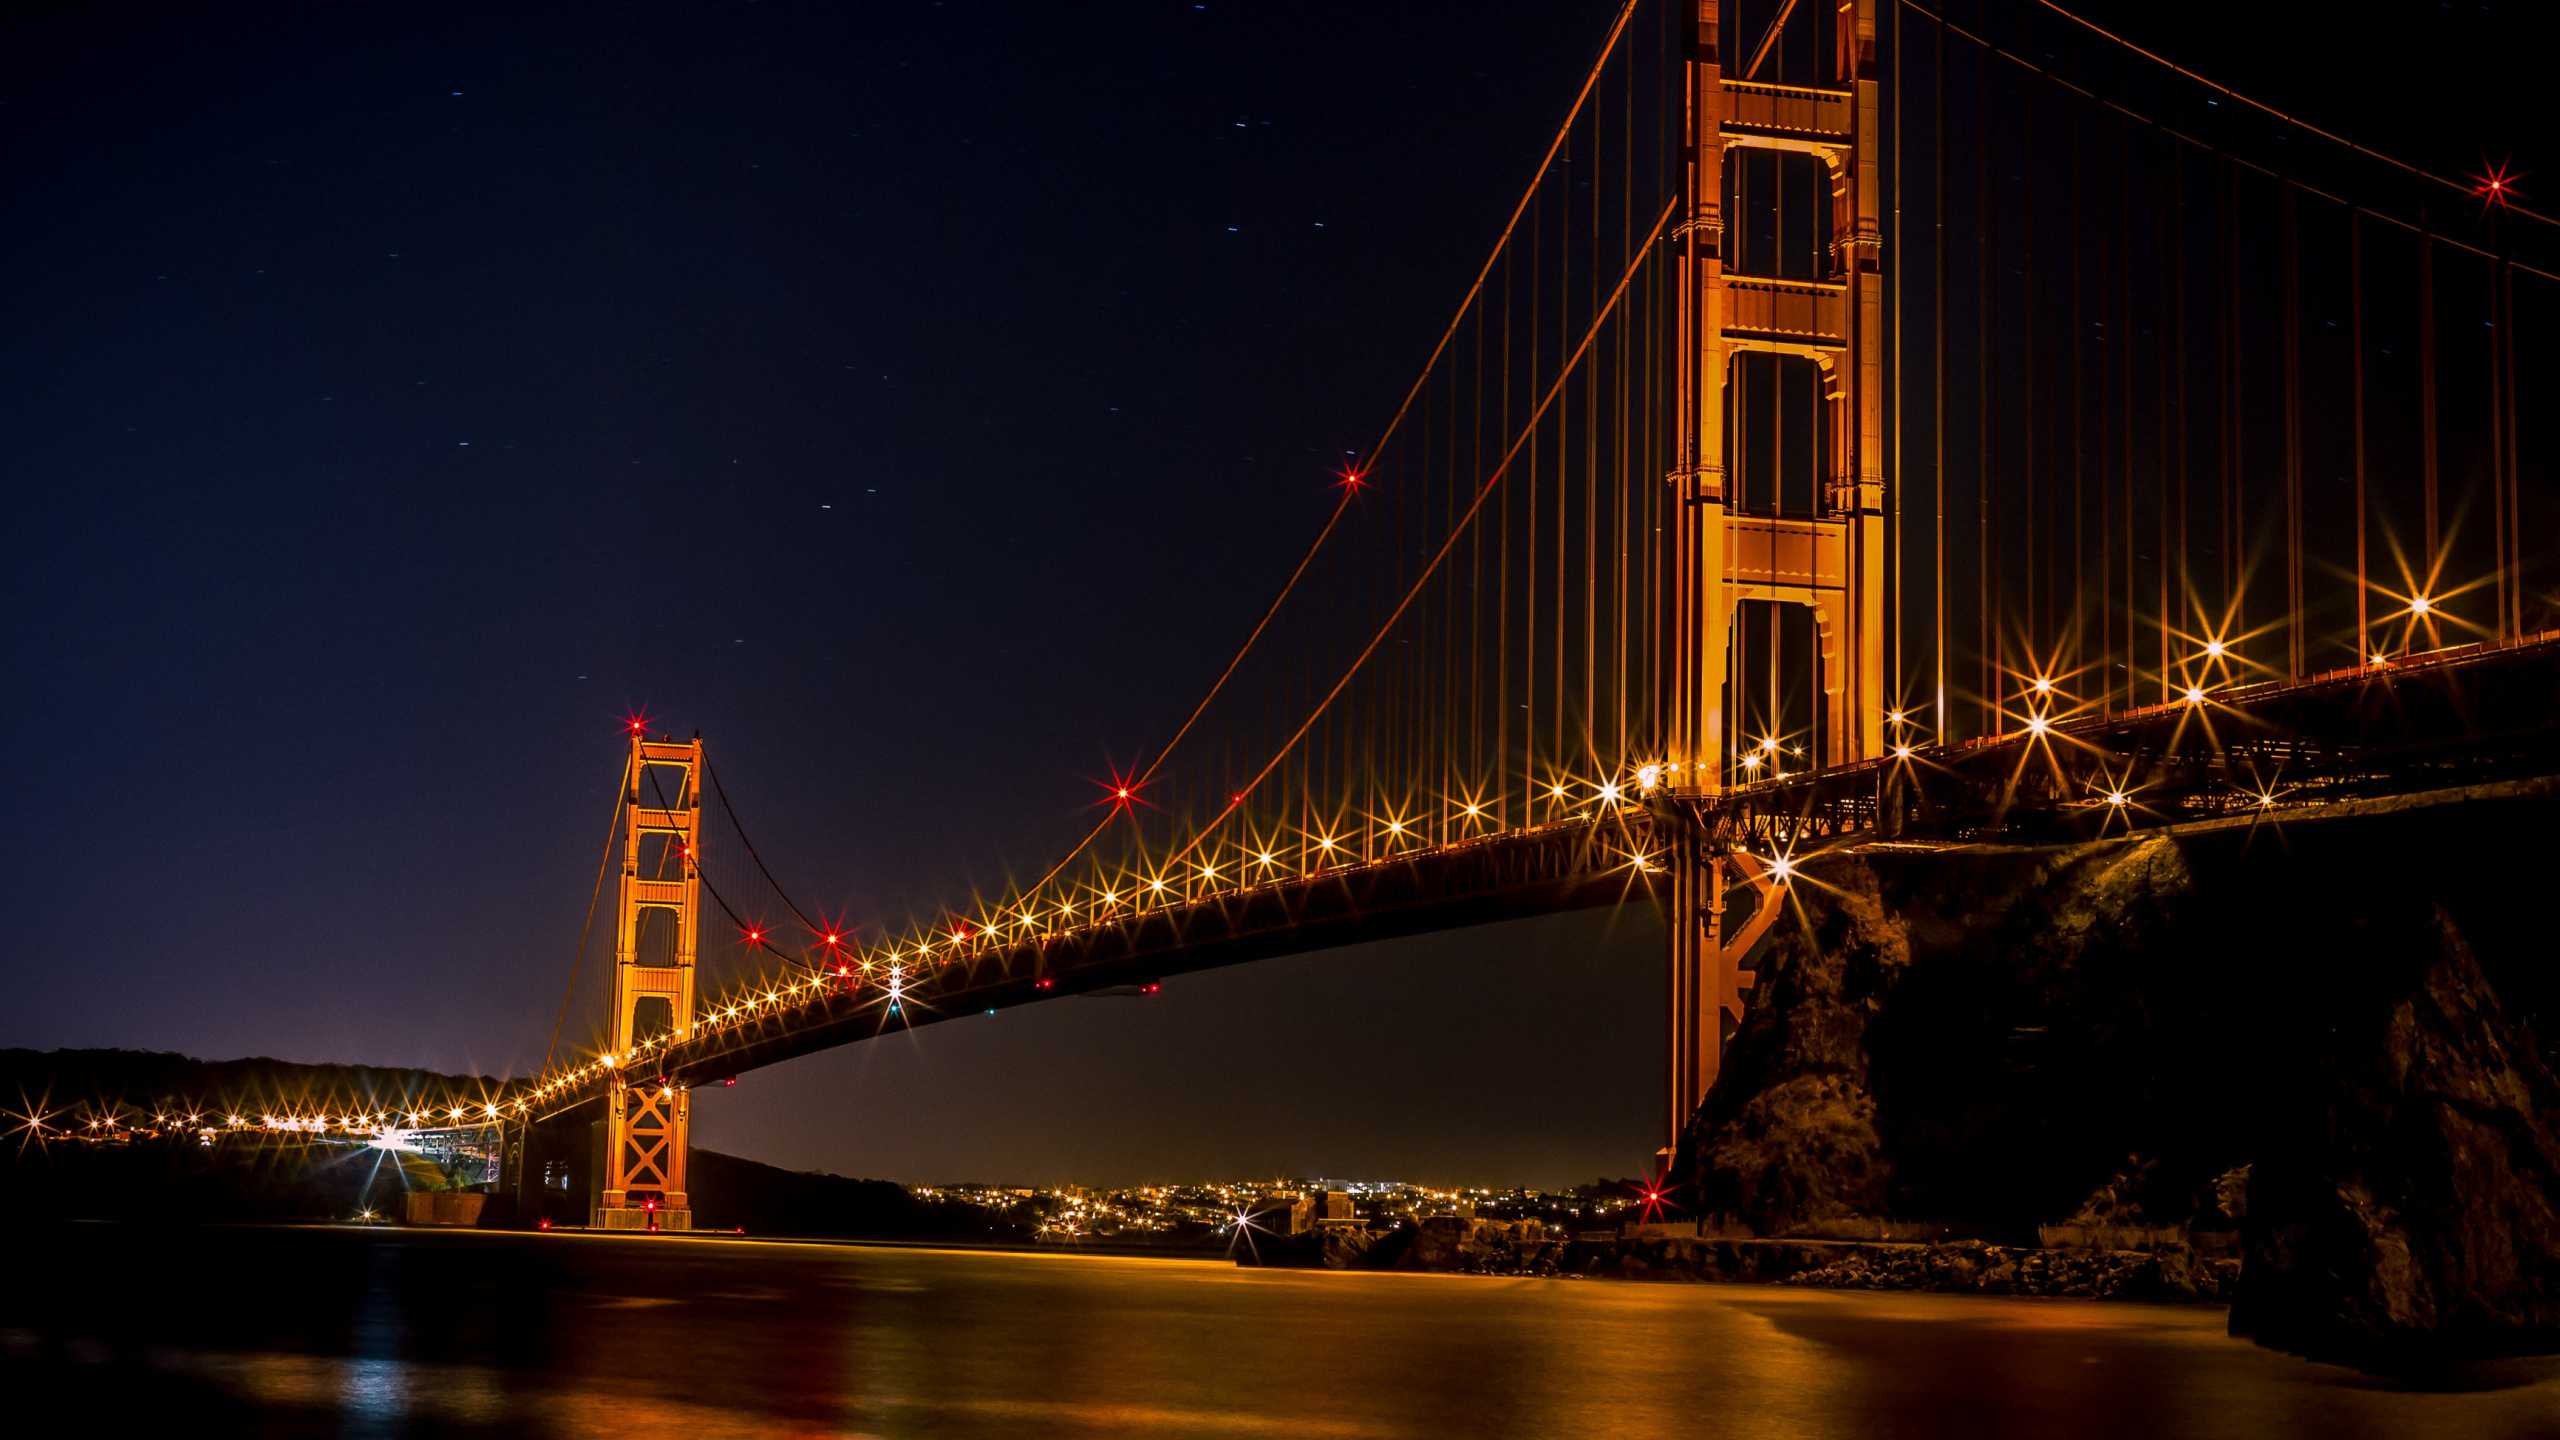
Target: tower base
{"type": "Point", "coordinates": [628, 1218]}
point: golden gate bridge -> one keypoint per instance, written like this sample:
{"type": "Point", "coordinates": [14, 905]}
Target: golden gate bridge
{"type": "Point", "coordinates": [1870, 426]}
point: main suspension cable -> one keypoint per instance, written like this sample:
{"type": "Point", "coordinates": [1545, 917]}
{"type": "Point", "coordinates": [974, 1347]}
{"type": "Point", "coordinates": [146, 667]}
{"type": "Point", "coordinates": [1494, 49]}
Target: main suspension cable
{"type": "Point", "coordinates": [621, 788]}
{"type": "Point", "coordinates": [1492, 484]}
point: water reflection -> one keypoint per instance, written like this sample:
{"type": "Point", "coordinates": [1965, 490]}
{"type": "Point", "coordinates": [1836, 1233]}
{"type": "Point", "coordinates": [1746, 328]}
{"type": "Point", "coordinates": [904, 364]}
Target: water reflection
{"type": "Point", "coordinates": [389, 1333]}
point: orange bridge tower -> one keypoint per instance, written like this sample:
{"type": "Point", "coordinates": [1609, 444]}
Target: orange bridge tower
{"type": "Point", "coordinates": [642, 1169]}
{"type": "Point", "coordinates": [1780, 552]}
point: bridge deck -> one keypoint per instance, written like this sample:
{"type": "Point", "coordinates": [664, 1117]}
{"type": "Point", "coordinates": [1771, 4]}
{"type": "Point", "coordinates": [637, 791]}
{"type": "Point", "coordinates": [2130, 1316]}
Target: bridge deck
{"type": "Point", "coordinates": [2480, 713]}
{"type": "Point", "coordinates": [1570, 865]}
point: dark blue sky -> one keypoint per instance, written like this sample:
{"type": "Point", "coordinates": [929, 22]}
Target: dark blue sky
{"type": "Point", "coordinates": [917, 399]}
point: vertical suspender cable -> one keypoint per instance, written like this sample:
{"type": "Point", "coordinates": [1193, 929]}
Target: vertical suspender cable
{"type": "Point", "coordinates": [2162, 331]}
{"type": "Point", "coordinates": [1986, 554]}
{"type": "Point", "coordinates": [2511, 557]}
{"type": "Point", "coordinates": [621, 789]}
{"type": "Point", "coordinates": [2355, 339]}
{"type": "Point", "coordinates": [2427, 394]}
{"type": "Point", "coordinates": [2295, 657]}
{"type": "Point", "coordinates": [1938, 390]}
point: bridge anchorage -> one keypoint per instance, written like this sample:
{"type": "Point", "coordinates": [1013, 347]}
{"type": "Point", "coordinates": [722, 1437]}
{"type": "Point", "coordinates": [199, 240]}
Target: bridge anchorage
{"type": "Point", "coordinates": [1891, 436]}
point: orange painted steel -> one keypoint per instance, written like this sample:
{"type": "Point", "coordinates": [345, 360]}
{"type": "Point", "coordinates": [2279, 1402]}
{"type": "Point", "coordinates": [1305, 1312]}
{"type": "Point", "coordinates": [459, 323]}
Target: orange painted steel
{"type": "Point", "coordinates": [647, 1122]}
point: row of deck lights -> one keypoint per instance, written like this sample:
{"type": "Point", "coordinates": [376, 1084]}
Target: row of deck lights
{"type": "Point", "coordinates": [1154, 888]}
{"type": "Point", "coordinates": [730, 1012]}
{"type": "Point", "coordinates": [353, 1122]}
{"type": "Point", "coordinates": [2418, 608]}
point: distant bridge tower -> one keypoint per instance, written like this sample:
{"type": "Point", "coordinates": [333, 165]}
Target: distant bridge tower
{"type": "Point", "coordinates": [1780, 579]}
{"type": "Point", "coordinates": [647, 1119]}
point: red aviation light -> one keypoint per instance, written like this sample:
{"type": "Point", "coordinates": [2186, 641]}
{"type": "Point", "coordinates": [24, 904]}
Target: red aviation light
{"type": "Point", "coordinates": [1121, 791]}
{"type": "Point", "coordinates": [2497, 187]}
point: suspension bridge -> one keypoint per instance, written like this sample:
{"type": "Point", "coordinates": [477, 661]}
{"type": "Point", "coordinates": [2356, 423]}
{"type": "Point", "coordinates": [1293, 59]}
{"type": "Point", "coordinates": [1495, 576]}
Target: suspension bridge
{"type": "Point", "coordinates": [1871, 426]}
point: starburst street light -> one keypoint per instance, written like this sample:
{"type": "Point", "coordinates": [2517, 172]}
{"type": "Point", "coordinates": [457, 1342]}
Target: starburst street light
{"type": "Point", "coordinates": [2421, 605]}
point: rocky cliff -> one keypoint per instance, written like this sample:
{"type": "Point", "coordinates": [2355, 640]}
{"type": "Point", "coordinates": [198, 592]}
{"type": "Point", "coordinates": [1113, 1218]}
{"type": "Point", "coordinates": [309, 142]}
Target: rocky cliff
{"type": "Point", "coordinates": [2322, 1032]}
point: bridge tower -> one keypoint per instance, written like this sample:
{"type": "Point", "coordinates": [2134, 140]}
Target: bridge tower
{"type": "Point", "coordinates": [1782, 504]}
{"type": "Point", "coordinates": [647, 1120]}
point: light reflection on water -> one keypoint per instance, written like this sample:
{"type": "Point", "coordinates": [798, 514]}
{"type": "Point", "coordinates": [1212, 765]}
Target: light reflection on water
{"type": "Point", "coordinates": [385, 1333]}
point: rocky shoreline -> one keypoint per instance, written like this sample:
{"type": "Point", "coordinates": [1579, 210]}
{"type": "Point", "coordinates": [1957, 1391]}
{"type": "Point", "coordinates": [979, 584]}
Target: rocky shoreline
{"type": "Point", "coordinates": [2166, 1273]}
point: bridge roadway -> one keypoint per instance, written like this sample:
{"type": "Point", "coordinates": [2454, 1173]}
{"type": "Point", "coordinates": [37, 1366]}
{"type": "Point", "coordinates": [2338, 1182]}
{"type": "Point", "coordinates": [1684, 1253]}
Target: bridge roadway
{"type": "Point", "coordinates": [1572, 864]}
{"type": "Point", "coordinates": [2462, 716]}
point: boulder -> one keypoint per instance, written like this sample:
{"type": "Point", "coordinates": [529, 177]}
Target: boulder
{"type": "Point", "coordinates": [2412, 1219]}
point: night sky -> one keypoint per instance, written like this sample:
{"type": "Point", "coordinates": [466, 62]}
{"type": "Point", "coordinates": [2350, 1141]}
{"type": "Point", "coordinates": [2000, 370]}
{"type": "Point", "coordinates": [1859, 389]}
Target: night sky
{"type": "Point", "coordinates": [919, 400]}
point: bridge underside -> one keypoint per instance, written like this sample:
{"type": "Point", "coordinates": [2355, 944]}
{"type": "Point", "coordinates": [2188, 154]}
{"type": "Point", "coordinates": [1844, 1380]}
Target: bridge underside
{"type": "Point", "coordinates": [1573, 865]}
{"type": "Point", "coordinates": [2465, 717]}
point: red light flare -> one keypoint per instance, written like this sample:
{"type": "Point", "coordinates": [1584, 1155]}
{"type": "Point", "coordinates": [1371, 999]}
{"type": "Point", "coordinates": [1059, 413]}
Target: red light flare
{"type": "Point", "coordinates": [635, 722]}
{"type": "Point", "coordinates": [1654, 1196]}
{"type": "Point", "coordinates": [1354, 479]}
{"type": "Point", "coordinates": [835, 935]}
{"type": "Point", "coordinates": [2497, 187]}
{"type": "Point", "coordinates": [1120, 792]}
{"type": "Point", "coordinates": [754, 936]}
